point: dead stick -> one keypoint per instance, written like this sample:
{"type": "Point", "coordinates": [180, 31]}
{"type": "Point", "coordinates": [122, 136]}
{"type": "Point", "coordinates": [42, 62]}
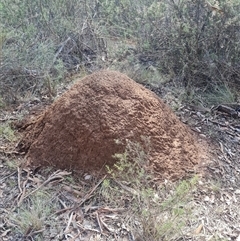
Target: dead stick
{"type": "Point", "coordinates": [21, 196]}
{"type": "Point", "coordinates": [11, 174]}
{"type": "Point", "coordinates": [51, 178]}
{"type": "Point", "coordinates": [88, 195]}
{"type": "Point", "coordinates": [69, 222]}
{"type": "Point", "coordinates": [19, 179]}
{"type": "Point", "coordinates": [99, 223]}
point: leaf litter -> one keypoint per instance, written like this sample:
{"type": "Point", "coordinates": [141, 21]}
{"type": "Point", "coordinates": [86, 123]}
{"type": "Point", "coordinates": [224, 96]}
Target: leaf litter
{"type": "Point", "coordinates": [78, 211]}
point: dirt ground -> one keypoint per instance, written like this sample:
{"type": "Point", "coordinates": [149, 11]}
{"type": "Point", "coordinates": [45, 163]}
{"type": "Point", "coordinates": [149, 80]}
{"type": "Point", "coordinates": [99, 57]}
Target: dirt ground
{"type": "Point", "coordinates": [80, 211]}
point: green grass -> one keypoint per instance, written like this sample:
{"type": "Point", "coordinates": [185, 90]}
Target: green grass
{"type": "Point", "coordinates": [12, 164]}
{"type": "Point", "coordinates": [7, 133]}
{"type": "Point", "coordinates": [32, 214]}
{"type": "Point", "coordinates": [222, 94]}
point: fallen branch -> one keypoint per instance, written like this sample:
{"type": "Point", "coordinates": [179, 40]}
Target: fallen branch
{"type": "Point", "coordinates": [11, 174]}
{"type": "Point", "coordinates": [11, 152]}
{"type": "Point", "coordinates": [22, 189]}
{"type": "Point", "coordinates": [232, 112]}
{"type": "Point", "coordinates": [106, 226]}
{"type": "Point", "coordinates": [83, 200]}
{"type": "Point", "coordinates": [60, 50]}
{"type": "Point", "coordinates": [99, 222]}
{"type": "Point", "coordinates": [56, 175]}
{"type": "Point", "coordinates": [69, 222]}
{"type": "Point", "coordinates": [88, 195]}
{"type": "Point", "coordinates": [8, 119]}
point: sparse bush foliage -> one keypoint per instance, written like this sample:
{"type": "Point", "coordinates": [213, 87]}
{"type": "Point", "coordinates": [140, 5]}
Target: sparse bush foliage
{"type": "Point", "coordinates": [45, 39]}
{"type": "Point", "coordinates": [160, 216]}
{"type": "Point", "coordinates": [194, 42]}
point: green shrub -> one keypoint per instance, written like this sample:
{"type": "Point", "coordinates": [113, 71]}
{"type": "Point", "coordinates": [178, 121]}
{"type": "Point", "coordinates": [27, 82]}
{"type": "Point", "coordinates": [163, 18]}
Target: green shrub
{"type": "Point", "coordinates": [188, 40]}
{"type": "Point", "coordinates": [44, 40]}
{"type": "Point", "coordinates": [160, 212]}
{"type": "Point", "coordinates": [194, 43]}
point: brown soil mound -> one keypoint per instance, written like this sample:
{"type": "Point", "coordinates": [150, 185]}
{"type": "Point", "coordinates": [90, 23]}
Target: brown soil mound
{"type": "Point", "coordinates": [79, 130]}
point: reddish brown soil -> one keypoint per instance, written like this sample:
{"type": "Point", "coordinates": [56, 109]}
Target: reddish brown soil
{"type": "Point", "coordinates": [79, 130]}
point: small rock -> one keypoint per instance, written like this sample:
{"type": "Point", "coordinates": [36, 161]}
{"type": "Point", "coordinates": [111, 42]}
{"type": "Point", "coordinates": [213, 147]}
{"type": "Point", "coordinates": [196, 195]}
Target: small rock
{"type": "Point", "coordinates": [88, 177]}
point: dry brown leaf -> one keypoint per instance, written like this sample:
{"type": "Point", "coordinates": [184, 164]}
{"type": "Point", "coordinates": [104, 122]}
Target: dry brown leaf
{"type": "Point", "coordinates": [198, 229]}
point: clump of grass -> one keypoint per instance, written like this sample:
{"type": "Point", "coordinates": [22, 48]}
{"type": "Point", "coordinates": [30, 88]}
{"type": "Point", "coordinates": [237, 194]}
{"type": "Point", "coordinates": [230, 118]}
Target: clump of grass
{"type": "Point", "coordinates": [7, 132]}
{"type": "Point", "coordinates": [12, 164]}
{"type": "Point", "coordinates": [154, 212]}
{"type": "Point", "coordinates": [30, 217]}
{"type": "Point", "coordinates": [222, 94]}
